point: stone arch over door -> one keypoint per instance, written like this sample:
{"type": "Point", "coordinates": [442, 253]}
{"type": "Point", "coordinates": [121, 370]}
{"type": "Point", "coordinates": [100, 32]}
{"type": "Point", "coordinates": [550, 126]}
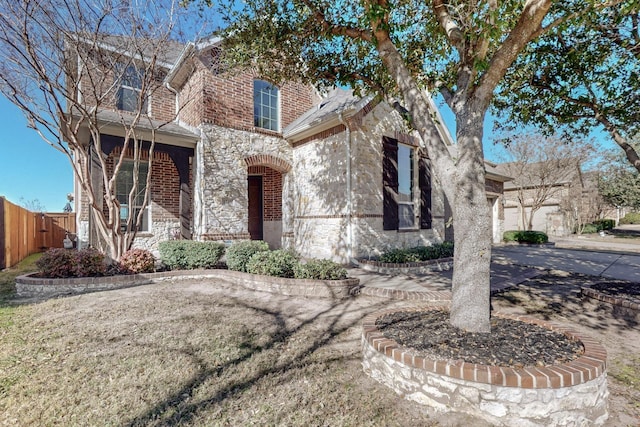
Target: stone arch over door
{"type": "Point", "coordinates": [268, 199]}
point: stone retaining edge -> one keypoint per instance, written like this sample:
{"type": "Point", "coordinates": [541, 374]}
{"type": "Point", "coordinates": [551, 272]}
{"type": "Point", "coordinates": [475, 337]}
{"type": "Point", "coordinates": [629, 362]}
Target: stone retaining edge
{"type": "Point", "coordinates": [589, 366]}
{"type": "Point", "coordinates": [27, 286]}
{"type": "Point", "coordinates": [440, 264]}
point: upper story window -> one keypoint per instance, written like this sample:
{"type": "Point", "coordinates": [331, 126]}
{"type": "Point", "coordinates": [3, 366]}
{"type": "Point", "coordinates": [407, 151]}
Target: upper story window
{"type": "Point", "coordinates": [124, 185]}
{"type": "Point", "coordinates": [266, 114]}
{"type": "Point", "coordinates": [130, 96]}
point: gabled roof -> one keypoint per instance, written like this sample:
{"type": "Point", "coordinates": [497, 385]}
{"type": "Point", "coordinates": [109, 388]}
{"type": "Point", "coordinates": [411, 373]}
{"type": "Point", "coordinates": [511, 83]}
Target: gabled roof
{"type": "Point", "coordinates": [167, 56]}
{"type": "Point", "coordinates": [331, 111]}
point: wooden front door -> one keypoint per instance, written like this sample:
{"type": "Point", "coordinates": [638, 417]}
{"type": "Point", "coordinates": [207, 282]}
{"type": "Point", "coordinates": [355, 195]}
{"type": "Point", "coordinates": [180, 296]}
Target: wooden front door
{"type": "Point", "coordinates": [255, 207]}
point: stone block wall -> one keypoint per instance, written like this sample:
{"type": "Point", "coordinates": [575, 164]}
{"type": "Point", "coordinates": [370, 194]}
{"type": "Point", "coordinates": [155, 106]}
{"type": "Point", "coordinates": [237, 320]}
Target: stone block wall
{"type": "Point", "coordinates": [564, 394]}
{"type": "Point", "coordinates": [222, 196]}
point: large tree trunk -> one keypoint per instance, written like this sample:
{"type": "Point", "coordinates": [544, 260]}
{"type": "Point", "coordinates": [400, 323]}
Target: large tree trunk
{"type": "Point", "coordinates": [470, 305]}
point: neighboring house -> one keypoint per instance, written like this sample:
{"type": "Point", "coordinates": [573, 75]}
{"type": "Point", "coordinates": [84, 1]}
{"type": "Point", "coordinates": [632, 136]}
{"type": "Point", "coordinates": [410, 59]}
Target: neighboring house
{"type": "Point", "coordinates": [562, 196]}
{"type": "Point", "coordinates": [336, 177]}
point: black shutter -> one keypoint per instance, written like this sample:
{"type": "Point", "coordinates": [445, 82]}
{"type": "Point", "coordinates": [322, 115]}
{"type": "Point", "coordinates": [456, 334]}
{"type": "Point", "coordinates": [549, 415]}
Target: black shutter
{"type": "Point", "coordinates": [425, 193]}
{"type": "Point", "coordinates": [390, 183]}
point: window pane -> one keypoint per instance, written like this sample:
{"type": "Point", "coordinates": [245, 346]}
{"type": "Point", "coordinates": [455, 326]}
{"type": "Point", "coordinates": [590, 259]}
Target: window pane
{"type": "Point", "coordinates": [124, 184]}
{"type": "Point", "coordinates": [405, 173]}
{"type": "Point", "coordinates": [265, 105]}
{"type": "Point", "coordinates": [405, 215]}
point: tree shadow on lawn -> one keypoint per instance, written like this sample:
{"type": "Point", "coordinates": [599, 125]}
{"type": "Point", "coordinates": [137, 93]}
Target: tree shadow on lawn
{"type": "Point", "coordinates": [302, 340]}
{"type": "Point", "coordinates": [556, 295]}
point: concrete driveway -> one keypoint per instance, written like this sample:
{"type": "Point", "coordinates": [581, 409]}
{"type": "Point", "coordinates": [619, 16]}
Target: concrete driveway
{"type": "Point", "coordinates": [623, 266]}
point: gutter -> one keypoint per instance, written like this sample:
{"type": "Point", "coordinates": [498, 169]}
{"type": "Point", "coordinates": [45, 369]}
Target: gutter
{"type": "Point", "coordinates": [349, 187]}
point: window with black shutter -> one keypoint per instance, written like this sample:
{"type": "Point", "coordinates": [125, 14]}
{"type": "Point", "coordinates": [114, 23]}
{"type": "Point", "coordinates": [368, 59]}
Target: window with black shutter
{"type": "Point", "coordinates": [398, 199]}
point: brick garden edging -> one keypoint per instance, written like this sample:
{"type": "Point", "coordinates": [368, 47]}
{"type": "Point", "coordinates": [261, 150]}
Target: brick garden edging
{"type": "Point", "coordinates": [621, 302]}
{"type": "Point", "coordinates": [440, 264]}
{"type": "Point", "coordinates": [572, 393]}
{"type": "Point", "coordinates": [28, 286]}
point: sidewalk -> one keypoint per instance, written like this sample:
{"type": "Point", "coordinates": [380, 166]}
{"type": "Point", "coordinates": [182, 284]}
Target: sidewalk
{"type": "Point", "coordinates": [512, 265]}
{"type": "Point", "coordinates": [436, 286]}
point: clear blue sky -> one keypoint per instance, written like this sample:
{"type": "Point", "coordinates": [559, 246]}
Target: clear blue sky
{"type": "Point", "coordinates": [29, 167]}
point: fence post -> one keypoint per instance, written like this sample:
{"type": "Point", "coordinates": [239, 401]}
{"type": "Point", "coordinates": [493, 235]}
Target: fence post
{"type": "Point", "coordinates": [3, 239]}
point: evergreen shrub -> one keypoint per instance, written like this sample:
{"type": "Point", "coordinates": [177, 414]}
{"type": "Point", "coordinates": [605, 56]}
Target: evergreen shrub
{"type": "Point", "coordinates": [239, 254]}
{"type": "Point", "coordinates": [278, 263]}
{"type": "Point", "coordinates": [190, 254]}
{"type": "Point", "coordinates": [319, 269]}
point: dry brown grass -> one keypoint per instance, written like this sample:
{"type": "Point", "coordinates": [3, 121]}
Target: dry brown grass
{"type": "Point", "coordinates": [205, 354]}
{"type": "Point", "coordinates": [192, 354]}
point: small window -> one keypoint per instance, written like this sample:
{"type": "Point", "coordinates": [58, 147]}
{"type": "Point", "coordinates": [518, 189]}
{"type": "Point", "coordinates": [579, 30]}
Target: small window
{"type": "Point", "coordinates": [406, 215]}
{"type": "Point", "coordinates": [129, 93]}
{"type": "Point", "coordinates": [405, 199]}
{"type": "Point", "coordinates": [265, 106]}
{"type": "Point", "coordinates": [124, 184]}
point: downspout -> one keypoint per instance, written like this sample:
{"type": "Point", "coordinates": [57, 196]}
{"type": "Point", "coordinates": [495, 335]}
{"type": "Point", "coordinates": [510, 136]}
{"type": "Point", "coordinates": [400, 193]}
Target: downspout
{"type": "Point", "coordinates": [349, 201]}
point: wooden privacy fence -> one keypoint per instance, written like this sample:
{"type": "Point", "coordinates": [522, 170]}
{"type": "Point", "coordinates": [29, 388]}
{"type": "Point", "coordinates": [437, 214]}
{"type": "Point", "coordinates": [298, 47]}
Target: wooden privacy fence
{"type": "Point", "coordinates": [23, 232]}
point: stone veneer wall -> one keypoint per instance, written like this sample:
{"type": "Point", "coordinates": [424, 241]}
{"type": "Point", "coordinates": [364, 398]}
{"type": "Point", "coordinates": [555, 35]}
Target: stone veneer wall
{"type": "Point", "coordinates": [222, 199]}
{"type": "Point", "coordinates": [321, 217]}
{"type": "Point", "coordinates": [568, 394]}
{"type": "Point", "coordinates": [320, 203]}
{"type": "Point", "coordinates": [370, 238]}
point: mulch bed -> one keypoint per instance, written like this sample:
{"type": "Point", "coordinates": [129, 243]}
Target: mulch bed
{"type": "Point", "coordinates": [511, 343]}
{"type": "Point", "coordinates": [620, 289]}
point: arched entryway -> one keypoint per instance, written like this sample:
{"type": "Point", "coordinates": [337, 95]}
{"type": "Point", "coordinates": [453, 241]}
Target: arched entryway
{"type": "Point", "coordinates": [265, 181]}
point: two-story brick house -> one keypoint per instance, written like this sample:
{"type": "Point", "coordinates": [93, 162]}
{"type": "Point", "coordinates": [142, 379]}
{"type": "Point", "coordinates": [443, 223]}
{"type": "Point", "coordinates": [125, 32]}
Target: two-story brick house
{"type": "Point", "coordinates": [331, 176]}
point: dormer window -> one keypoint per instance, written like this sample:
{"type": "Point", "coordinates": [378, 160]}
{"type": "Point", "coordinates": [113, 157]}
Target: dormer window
{"type": "Point", "coordinates": [266, 114]}
{"type": "Point", "coordinates": [130, 94]}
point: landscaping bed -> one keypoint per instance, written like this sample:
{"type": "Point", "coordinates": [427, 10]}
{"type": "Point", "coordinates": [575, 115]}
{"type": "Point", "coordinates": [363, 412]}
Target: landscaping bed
{"type": "Point", "coordinates": [34, 286]}
{"type": "Point", "coordinates": [560, 380]}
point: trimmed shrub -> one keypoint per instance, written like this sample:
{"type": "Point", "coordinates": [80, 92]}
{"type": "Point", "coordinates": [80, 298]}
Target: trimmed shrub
{"type": "Point", "coordinates": [605, 224]}
{"type": "Point", "coordinates": [589, 229]}
{"type": "Point", "coordinates": [631, 218]}
{"type": "Point", "coordinates": [57, 263]}
{"type": "Point", "coordinates": [89, 263]}
{"type": "Point", "coordinates": [399, 256]}
{"type": "Point", "coordinates": [239, 254]}
{"type": "Point", "coordinates": [525, 236]}
{"type": "Point", "coordinates": [137, 261]}
{"type": "Point", "coordinates": [189, 254]}
{"type": "Point", "coordinates": [319, 269]}
{"type": "Point", "coordinates": [279, 263]}
{"type": "Point", "coordinates": [418, 253]}
{"type": "Point", "coordinates": [203, 254]}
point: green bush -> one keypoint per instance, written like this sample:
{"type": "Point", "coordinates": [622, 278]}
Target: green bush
{"type": "Point", "coordinates": [239, 254]}
{"type": "Point", "coordinates": [319, 269]}
{"type": "Point", "coordinates": [525, 236]}
{"type": "Point", "coordinates": [631, 218]}
{"type": "Point", "coordinates": [399, 256]}
{"type": "Point", "coordinates": [419, 253]}
{"type": "Point", "coordinates": [605, 224]}
{"type": "Point", "coordinates": [589, 229]}
{"type": "Point", "coordinates": [189, 254]}
{"type": "Point", "coordinates": [279, 263]}
{"type": "Point", "coordinates": [137, 261]}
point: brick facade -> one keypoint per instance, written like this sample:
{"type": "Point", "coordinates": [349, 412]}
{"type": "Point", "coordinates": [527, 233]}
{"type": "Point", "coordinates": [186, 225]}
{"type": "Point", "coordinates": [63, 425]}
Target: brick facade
{"type": "Point", "coordinates": [165, 183]}
{"type": "Point", "coordinates": [226, 99]}
{"type": "Point", "coordinates": [272, 191]}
